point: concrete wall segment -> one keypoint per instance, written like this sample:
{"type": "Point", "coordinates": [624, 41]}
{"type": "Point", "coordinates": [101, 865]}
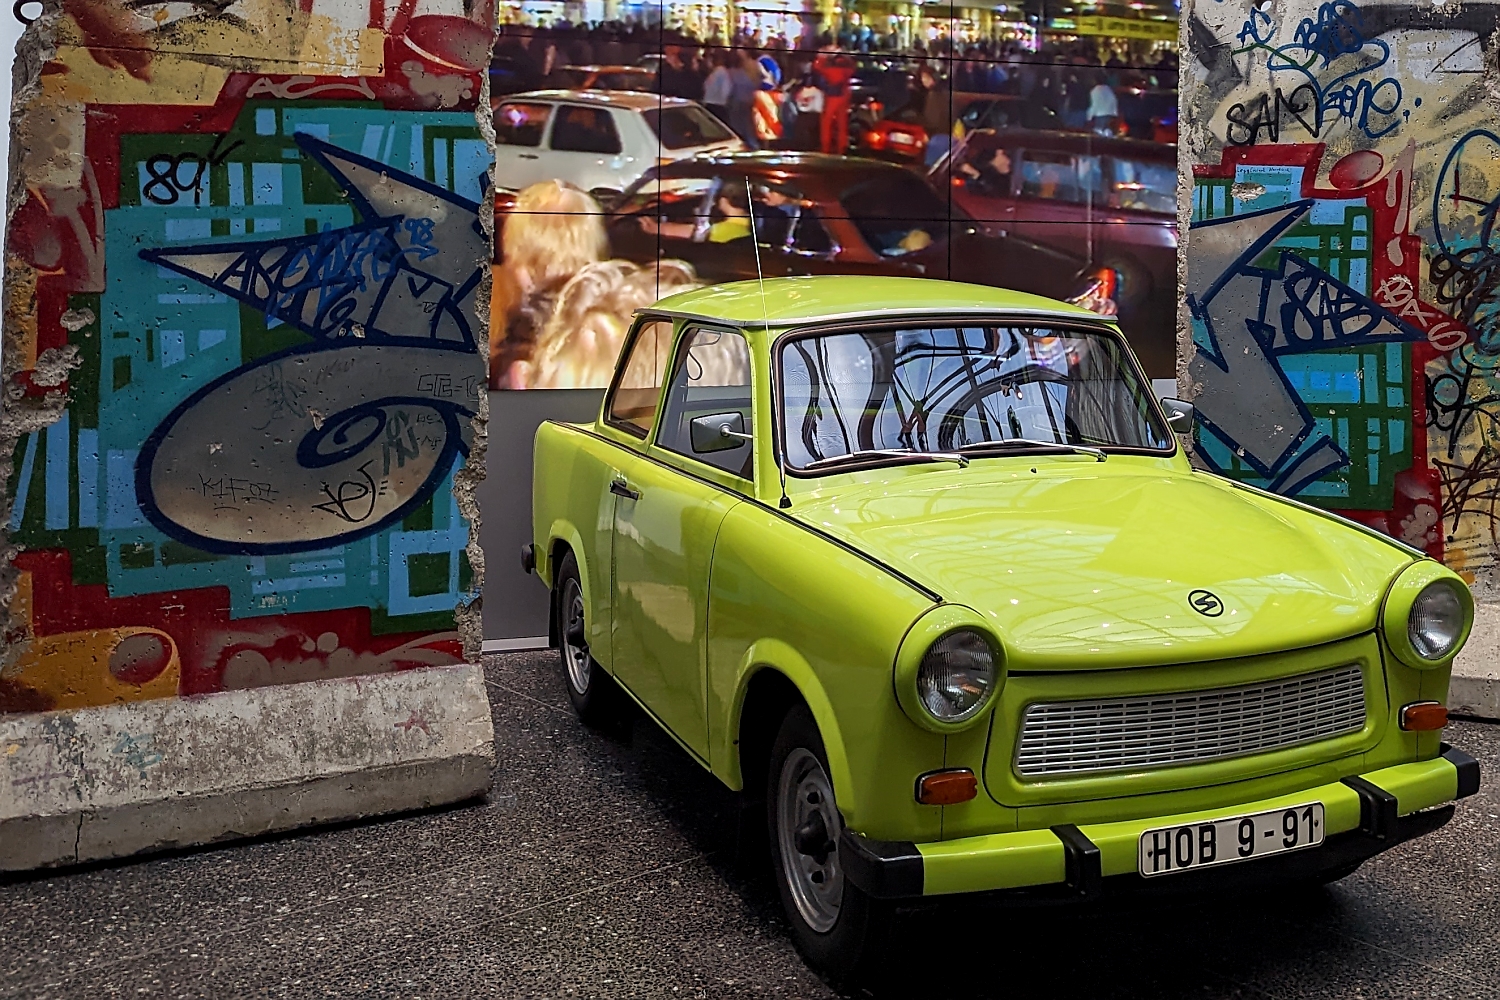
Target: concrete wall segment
{"type": "Point", "coordinates": [245, 318]}
{"type": "Point", "coordinates": [1341, 326]}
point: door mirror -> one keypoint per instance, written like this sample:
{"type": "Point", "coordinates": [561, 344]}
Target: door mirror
{"type": "Point", "coordinates": [1179, 415]}
{"type": "Point", "coordinates": [718, 432]}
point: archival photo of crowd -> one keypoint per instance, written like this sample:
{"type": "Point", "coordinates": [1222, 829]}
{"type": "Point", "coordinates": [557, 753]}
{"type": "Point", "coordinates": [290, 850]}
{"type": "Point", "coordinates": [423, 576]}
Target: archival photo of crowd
{"type": "Point", "coordinates": [644, 150]}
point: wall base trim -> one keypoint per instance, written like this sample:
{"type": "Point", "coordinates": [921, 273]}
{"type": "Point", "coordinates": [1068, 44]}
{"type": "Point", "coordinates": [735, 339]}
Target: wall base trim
{"type": "Point", "coordinates": [515, 645]}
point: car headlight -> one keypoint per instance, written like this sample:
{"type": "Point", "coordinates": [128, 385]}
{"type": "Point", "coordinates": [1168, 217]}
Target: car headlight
{"type": "Point", "coordinates": [956, 676]}
{"type": "Point", "coordinates": [1436, 622]}
{"type": "Point", "coordinates": [1427, 615]}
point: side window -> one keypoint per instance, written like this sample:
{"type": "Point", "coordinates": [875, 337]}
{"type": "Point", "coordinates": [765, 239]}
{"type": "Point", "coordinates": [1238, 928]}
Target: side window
{"type": "Point", "coordinates": [784, 220]}
{"type": "Point", "coordinates": [585, 130]}
{"type": "Point", "coordinates": [710, 390]}
{"type": "Point", "coordinates": [1062, 177]}
{"type": "Point", "coordinates": [637, 386]}
{"type": "Point", "coordinates": [521, 124]}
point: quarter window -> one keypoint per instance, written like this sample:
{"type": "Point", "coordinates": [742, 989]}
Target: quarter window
{"type": "Point", "coordinates": [637, 387]}
{"type": "Point", "coordinates": [710, 385]}
{"type": "Point", "coordinates": [585, 130]}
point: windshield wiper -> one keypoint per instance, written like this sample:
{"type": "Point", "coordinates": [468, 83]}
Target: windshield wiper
{"type": "Point", "coordinates": [896, 453]}
{"type": "Point", "coordinates": [983, 447]}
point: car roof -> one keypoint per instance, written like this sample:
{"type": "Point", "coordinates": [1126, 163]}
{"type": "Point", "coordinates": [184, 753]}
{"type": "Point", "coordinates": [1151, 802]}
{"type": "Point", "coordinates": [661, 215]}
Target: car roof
{"type": "Point", "coordinates": [632, 100]}
{"type": "Point", "coordinates": [773, 160]}
{"type": "Point", "coordinates": [780, 302]}
{"type": "Point", "coordinates": [610, 68]}
{"type": "Point", "coordinates": [1083, 142]}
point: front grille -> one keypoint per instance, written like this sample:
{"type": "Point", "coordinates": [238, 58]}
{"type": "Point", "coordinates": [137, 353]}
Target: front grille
{"type": "Point", "coordinates": [1116, 734]}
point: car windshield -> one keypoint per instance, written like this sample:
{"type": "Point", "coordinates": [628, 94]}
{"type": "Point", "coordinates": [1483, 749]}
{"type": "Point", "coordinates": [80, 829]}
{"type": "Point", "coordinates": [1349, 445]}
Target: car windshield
{"type": "Point", "coordinates": [896, 213]}
{"type": "Point", "coordinates": [970, 391]}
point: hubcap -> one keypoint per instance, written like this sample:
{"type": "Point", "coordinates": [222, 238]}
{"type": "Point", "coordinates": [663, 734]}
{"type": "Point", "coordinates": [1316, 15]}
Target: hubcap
{"type": "Point", "coordinates": [807, 825]}
{"type": "Point", "coordinates": [574, 649]}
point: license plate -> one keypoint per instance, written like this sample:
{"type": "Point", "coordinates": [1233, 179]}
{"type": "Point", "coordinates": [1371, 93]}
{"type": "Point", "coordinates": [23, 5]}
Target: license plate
{"type": "Point", "coordinates": [902, 139]}
{"type": "Point", "coordinates": [1190, 846]}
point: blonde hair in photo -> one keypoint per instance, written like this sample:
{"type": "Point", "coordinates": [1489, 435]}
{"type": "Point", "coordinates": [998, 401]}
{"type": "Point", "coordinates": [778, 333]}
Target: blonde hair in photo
{"type": "Point", "coordinates": [578, 347]}
{"type": "Point", "coordinates": [553, 232]}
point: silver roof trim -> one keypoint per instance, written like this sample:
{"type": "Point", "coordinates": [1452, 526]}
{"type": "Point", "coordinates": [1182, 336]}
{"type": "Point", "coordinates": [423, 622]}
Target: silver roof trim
{"type": "Point", "coordinates": [913, 313]}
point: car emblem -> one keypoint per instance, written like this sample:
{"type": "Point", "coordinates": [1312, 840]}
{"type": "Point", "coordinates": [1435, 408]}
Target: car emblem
{"type": "Point", "coordinates": [1206, 603]}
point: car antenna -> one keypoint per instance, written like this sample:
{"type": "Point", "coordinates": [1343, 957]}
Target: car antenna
{"type": "Point", "coordinates": [760, 276]}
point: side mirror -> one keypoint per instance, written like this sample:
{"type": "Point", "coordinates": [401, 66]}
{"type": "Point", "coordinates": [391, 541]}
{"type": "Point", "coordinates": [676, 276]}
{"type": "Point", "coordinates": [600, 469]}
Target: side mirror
{"type": "Point", "coordinates": [1179, 415]}
{"type": "Point", "coordinates": [718, 432]}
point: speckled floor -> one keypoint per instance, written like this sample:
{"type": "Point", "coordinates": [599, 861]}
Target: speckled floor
{"type": "Point", "coordinates": [607, 866]}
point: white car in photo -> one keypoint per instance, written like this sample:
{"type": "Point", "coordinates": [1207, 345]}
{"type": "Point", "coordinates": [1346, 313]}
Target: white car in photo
{"type": "Point", "coordinates": [599, 140]}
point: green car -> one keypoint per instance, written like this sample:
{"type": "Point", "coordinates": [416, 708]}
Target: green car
{"type": "Point", "coordinates": [921, 567]}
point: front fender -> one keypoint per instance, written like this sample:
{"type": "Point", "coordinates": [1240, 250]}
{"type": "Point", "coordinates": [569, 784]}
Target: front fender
{"type": "Point", "coordinates": [773, 654]}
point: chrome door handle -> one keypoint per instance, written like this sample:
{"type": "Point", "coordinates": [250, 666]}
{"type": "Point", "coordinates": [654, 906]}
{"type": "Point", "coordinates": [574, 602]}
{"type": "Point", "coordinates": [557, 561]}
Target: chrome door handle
{"type": "Point", "coordinates": [622, 489]}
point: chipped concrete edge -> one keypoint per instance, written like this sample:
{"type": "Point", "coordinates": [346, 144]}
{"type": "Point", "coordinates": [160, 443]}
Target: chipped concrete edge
{"type": "Point", "coordinates": [21, 414]}
{"type": "Point", "coordinates": [116, 780]}
{"type": "Point", "coordinates": [470, 613]}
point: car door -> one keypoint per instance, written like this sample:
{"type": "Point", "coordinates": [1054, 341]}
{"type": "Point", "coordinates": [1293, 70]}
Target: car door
{"type": "Point", "coordinates": [668, 510]}
{"type": "Point", "coordinates": [986, 196]}
{"type": "Point", "coordinates": [520, 127]}
{"type": "Point", "coordinates": [584, 148]}
{"type": "Point", "coordinates": [1061, 198]}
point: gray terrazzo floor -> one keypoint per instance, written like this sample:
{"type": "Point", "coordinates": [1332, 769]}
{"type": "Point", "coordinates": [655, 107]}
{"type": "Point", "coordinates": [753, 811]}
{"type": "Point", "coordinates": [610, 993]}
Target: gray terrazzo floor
{"type": "Point", "coordinates": [606, 866]}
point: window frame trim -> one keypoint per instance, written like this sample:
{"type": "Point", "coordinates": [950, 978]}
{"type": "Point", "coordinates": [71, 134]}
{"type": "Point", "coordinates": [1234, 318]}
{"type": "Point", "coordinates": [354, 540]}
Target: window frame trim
{"type": "Point", "coordinates": [607, 410]}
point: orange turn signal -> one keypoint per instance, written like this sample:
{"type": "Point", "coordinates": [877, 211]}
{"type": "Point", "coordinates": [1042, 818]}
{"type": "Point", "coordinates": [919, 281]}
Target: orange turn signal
{"type": "Point", "coordinates": [947, 788]}
{"type": "Point", "coordinates": [1423, 716]}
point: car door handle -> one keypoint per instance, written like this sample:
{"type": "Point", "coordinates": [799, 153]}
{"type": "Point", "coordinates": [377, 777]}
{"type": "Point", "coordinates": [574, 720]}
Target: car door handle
{"type": "Point", "coordinates": [622, 489]}
{"type": "Point", "coordinates": [529, 156]}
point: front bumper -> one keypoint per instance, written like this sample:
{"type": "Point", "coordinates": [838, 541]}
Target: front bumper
{"type": "Point", "coordinates": [1363, 815]}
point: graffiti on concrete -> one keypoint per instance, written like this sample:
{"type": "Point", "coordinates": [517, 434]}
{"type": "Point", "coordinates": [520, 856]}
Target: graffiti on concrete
{"type": "Point", "coordinates": [243, 328]}
{"type": "Point", "coordinates": [1342, 275]}
{"type": "Point", "coordinates": [348, 435]}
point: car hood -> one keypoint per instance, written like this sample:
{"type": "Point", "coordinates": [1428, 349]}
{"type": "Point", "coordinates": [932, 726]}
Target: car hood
{"type": "Point", "coordinates": [1090, 566]}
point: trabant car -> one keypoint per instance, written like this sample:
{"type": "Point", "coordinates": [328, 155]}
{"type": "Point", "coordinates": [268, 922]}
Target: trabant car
{"type": "Point", "coordinates": [920, 568]}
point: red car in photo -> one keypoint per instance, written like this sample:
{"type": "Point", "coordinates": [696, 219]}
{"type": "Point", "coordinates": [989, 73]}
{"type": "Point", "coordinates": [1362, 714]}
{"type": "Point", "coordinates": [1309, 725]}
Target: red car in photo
{"type": "Point", "coordinates": [1110, 201]}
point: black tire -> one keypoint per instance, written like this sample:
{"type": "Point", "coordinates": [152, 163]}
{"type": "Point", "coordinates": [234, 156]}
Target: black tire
{"type": "Point", "coordinates": [841, 931]}
{"type": "Point", "coordinates": [592, 691]}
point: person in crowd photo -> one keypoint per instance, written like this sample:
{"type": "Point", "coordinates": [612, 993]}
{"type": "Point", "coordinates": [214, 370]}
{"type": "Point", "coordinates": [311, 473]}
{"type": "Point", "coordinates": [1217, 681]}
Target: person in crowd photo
{"type": "Point", "coordinates": [836, 71]}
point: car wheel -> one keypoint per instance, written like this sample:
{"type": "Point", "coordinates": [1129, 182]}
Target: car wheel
{"type": "Point", "coordinates": [590, 689]}
{"type": "Point", "coordinates": [838, 928]}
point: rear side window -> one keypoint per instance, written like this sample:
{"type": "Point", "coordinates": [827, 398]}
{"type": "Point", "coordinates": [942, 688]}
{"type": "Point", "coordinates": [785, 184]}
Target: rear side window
{"type": "Point", "coordinates": [710, 385]}
{"type": "Point", "coordinates": [686, 126]}
{"type": "Point", "coordinates": [1140, 184]}
{"type": "Point", "coordinates": [521, 124]}
{"type": "Point", "coordinates": [637, 387]}
{"type": "Point", "coordinates": [585, 130]}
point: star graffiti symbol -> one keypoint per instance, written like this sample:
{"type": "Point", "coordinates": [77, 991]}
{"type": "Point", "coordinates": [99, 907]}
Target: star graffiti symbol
{"type": "Point", "coordinates": [408, 270]}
